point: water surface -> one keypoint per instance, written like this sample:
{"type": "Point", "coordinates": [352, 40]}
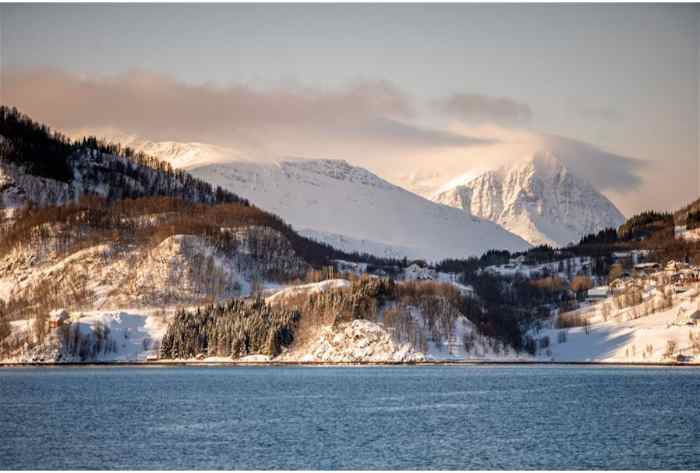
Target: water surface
{"type": "Point", "coordinates": [436, 417]}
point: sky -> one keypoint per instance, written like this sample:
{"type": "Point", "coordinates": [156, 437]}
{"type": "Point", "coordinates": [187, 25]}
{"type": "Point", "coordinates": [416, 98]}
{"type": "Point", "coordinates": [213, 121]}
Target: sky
{"type": "Point", "coordinates": [418, 93]}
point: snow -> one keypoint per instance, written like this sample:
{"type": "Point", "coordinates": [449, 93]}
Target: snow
{"type": "Point", "coordinates": [623, 338]}
{"type": "Point", "coordinates": [136, 333]}
{"type": "Point", "coordinates": [312, 288]}
{"type": "Point", "coordinates": [350, 267]}
{"type": "Point", "coordinates": [537, 198]}
{"type": "Point", "coordinates": [374, 341]}
{"type": "Point", "coordinates": [682, 232]}
{"type": "Point", "coordinates": [171, 272]}
{"type": "Point", "coordinates": [255, 359]}
{"type": "Point", "coordinates": [359, 245]}
{"type": "Point", "coordinates": [576, 265]}
{"type": "Point", "coordinates": [348, 206]}
{"type": "Point", "coordinates": [134, 336]}
{"type": "Point", "coordinates": [415, 272]}
{"type": "Point", "coordinates": [356, 341]}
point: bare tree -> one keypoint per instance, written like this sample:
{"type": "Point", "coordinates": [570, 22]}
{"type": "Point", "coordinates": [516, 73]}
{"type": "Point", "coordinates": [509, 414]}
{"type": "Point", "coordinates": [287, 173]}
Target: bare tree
{"type": "Point", "coordinates": [671, 346]}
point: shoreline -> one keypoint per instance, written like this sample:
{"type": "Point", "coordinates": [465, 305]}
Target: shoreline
{"type": "Point", "coordinates": [272, 364]}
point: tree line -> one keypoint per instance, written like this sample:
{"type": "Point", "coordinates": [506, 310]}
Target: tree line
{"type": "Point", "coordinates": [234, 329]}
{"type": "Point", "coordinates": [50, 154]}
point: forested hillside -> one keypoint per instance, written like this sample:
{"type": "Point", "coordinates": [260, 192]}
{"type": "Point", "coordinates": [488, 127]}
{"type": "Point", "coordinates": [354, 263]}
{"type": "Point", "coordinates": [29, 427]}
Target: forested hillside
{"type": "Point", "coordinates": [87, 224]}
{"type": "Point", "coordinates": [370, 317]}
{"type": "Point", "coordinates": [43, 168]}
{"type": "Point", "coordinates": [688, 215]}
{"type": "Point", "coordinates": [90, 166]}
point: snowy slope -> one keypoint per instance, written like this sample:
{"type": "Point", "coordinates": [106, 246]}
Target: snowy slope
{"type": "Point", "coordinates": [628, 336]}
{"type": "Point", "coordinates": [333, 197]}
{"type": "Point", "coordinates": [181, 269]}
{"type": "Point", "coordinates": [359, 245]}
{"type": "Point", "coordinates": [538, 199]}
{"type": "Point", "coordinates": [128, 335]}
{"type": "Point", "coordinates": [305, 289]}
{"type": "Point", "coordinates": [182, 155]}
{"type": "Point", "coordinates": [340, 204]}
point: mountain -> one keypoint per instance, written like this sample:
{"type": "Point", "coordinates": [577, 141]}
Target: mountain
{"type": "Point", "coordinates": [538, 199]}
{"type": "Point", "coordinates": [87, 224]}
{"type": "Point", "coordinates": [340, 204]}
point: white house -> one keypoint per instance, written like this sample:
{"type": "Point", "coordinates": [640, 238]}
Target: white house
{"type": "Point", "coordinates": [598, 293]}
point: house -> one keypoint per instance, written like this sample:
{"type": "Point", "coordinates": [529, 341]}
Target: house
{"type": "Point", "coordinates": [598, 293]}
{"type": "Point", "coordinates": [673, 266]}
{"type": "Point", "coordinates": [647, 268]}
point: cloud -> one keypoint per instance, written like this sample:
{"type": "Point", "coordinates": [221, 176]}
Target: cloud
{"type": "Point", "coordinates": [372, 124]}
{"type": "Point", "coordinates": [606, 171]}
{"type": "Point", "coordinates": [419, 136]}
{"type": "Point", "coordinates": [160, 108]}
{"type": "Point", "coordinates": [476, 109]}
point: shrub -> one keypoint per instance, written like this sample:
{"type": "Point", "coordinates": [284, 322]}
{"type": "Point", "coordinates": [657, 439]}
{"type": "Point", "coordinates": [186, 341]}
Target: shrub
{"type": "Point", "coordinates": [571, 319]}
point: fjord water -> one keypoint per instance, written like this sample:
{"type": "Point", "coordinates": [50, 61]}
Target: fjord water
{"type": "Point", "coordinates": [440, 417]}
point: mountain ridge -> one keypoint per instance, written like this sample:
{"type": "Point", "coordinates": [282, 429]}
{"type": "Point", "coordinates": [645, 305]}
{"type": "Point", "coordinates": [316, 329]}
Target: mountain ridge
{"type": "Point", "coordinates": [337, 201]}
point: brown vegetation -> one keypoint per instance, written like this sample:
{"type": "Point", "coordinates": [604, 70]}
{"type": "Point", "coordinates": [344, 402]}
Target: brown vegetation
{"type": "Point", "coordinates": [572, 319]}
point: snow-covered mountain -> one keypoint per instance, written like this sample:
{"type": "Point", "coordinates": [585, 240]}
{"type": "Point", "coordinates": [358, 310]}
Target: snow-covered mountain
{"type": "Point", "coordinates": [538, 199]}
{"type": "Point", "coordinates": [333, 201]}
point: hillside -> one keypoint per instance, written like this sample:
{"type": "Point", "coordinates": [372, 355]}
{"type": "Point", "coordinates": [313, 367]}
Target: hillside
{"type": "Point", "coordinates": [141, 252]}
{"type": "Point", "coordinates": [364, 320]}
{"type": "Point", "coordinates": [690, 211]}
{"type": "Point", "coordinates": [647, 318]}
{"type": "Point", "coordinates": [87, 224]}
{"type": "Point", "coordinates": [41, 167]}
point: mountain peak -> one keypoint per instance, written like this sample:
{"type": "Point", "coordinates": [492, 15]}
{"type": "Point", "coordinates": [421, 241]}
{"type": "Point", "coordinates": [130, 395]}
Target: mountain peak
{"type": "Point", "coordinates": [537, 198]}
{"type": "Point", "coordinates": [337, 169]}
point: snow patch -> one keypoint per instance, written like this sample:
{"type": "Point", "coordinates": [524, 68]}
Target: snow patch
{"type": "Point", "coordinates": [312, 288]}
